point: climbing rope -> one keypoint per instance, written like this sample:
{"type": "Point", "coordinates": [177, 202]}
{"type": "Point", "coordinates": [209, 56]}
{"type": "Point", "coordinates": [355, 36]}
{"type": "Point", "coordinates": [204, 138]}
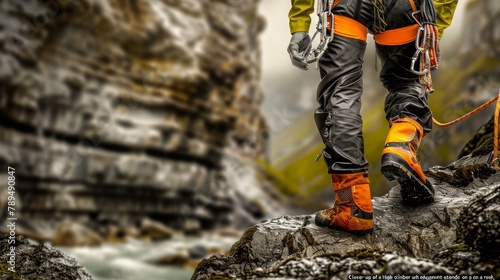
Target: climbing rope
{"type": "Point", "coordinates": [496, 161]}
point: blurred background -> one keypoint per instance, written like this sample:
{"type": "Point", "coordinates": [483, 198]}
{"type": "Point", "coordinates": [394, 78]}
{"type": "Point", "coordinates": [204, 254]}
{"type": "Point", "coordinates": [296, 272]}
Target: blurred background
{"type": "Point", "coordinates": [146, 135]}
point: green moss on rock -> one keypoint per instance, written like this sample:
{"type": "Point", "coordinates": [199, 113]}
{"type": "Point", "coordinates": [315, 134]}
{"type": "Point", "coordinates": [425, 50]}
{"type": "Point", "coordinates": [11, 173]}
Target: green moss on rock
{"type": "Point", "coordinates": [7, 274]}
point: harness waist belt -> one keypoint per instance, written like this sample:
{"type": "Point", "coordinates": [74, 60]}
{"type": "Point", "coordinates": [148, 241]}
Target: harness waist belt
{"type": "Point", "coordinates": [348, 27]}
{"type": "Point", "coordinates": [398, 36]}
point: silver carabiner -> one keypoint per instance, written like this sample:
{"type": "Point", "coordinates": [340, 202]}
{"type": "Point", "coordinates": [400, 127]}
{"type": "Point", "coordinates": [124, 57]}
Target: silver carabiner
{"type": "Point", "coordinates": [324, 13]}
{"type": "Point", "coordinates": [420, 30]}
{"type": "Point", "coordinates": [415, 18]}
{"type": "Point", "coordinates": [323, 50]}
{"type": "Point", "coordinates": [414, 60]}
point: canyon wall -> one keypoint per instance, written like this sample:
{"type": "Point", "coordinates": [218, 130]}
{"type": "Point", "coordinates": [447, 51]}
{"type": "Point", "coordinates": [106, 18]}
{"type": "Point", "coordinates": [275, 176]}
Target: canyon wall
{"type": "Point", "coordinates": [117, 111]}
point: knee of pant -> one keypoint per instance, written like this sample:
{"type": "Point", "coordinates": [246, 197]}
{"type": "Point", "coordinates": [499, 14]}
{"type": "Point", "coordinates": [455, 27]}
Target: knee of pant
{"type": "Point", "coordinates": [347, 117]}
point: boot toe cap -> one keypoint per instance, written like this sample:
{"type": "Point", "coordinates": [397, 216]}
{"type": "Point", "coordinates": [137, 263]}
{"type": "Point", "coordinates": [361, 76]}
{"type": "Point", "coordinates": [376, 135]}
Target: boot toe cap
{"type": "Point", "coordinates": [321, 220]}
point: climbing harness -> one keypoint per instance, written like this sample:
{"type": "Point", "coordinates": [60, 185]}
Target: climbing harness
{"type": "Point", "coordinates": [424, 33]}
{"type": "Point", "coordinates": [494, 159]}
{"type": "Point", "coordinates": [398, 36]}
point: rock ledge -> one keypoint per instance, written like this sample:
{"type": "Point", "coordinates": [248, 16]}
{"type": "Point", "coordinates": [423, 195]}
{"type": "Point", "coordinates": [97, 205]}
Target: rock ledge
{"type": "Point", "coordinates": [455, 235]}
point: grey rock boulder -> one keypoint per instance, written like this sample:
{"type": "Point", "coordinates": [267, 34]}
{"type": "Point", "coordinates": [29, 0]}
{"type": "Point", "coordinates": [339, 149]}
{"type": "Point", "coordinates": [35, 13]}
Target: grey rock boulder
{"type": "Point", "coordinates": [38, 261]}
{"type": "Point", "coordinates": [479, 223]}
{"type": "Point", "coordinates": [155, 230]}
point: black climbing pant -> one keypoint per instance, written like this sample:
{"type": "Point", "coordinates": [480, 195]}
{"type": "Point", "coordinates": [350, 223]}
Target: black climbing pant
{"type": "Point", "coordinates": [339, 93]}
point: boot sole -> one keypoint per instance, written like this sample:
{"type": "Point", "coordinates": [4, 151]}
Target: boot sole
{"type": "Point", "coordinates": [413, 190]}
{"type": "Point", "coordinates": [355, 232]}
{"type": "Point", "coordinates": [322, 222]}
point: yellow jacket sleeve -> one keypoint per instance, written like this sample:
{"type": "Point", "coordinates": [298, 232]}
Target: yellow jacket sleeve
{"type": "Point", "coordinates": [445, 10]}
{"type": "Point", "coordinates": [299, 15]}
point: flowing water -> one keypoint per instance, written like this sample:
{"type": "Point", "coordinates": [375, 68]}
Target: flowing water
{"type": "Point", "coordinates": [135, 260]}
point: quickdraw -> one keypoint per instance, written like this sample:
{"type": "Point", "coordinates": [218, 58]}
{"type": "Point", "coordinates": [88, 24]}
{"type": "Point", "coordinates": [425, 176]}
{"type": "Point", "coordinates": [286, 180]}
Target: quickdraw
{"type": "Point", "coordinates": [426, 44]}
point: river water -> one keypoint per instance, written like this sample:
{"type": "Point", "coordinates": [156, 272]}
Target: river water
{"type": "Point", "coordinates": [135, 259]}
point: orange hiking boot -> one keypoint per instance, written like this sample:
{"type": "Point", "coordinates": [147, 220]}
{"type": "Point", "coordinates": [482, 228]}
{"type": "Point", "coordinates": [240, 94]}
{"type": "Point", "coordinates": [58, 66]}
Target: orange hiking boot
{"type": "Point", "coordinates": [353, 210]}
{"type": "Point", "coordinates": [399, 162]}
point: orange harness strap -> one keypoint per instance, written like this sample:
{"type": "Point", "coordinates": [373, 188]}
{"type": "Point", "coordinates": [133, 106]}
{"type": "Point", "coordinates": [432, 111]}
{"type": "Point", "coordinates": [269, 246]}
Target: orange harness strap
{"type": "Point", "coordinates": [335, 3]}
{"type": "Point", "coordinates": [348, 27]}
{"type": "Point", "coordinates": [398, 36]}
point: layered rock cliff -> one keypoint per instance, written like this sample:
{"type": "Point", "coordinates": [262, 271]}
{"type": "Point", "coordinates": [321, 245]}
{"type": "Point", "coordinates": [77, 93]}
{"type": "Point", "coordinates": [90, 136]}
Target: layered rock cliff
{"type": "Point", "coordinates": [458, 234]}
{"type": "Point", "coordinates": [117, 111]}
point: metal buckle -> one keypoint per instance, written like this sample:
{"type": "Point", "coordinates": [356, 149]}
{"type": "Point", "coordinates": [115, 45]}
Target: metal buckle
{"type": "Point", "coordinates": [315, 54]}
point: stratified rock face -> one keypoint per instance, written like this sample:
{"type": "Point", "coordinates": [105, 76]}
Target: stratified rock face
{"type": "Point", "coordinates": [37, 261]}
{"type": "Point", "coordinates": [117, 110]}
{"type": "Point", "coordinates": [423, 240]}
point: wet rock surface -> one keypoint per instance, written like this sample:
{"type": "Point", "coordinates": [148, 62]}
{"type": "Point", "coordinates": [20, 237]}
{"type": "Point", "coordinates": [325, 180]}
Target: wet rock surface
{"type": "Point", "coordinates": [38, 261]}
{"type": "Point", "coordinates": [455, 235]}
